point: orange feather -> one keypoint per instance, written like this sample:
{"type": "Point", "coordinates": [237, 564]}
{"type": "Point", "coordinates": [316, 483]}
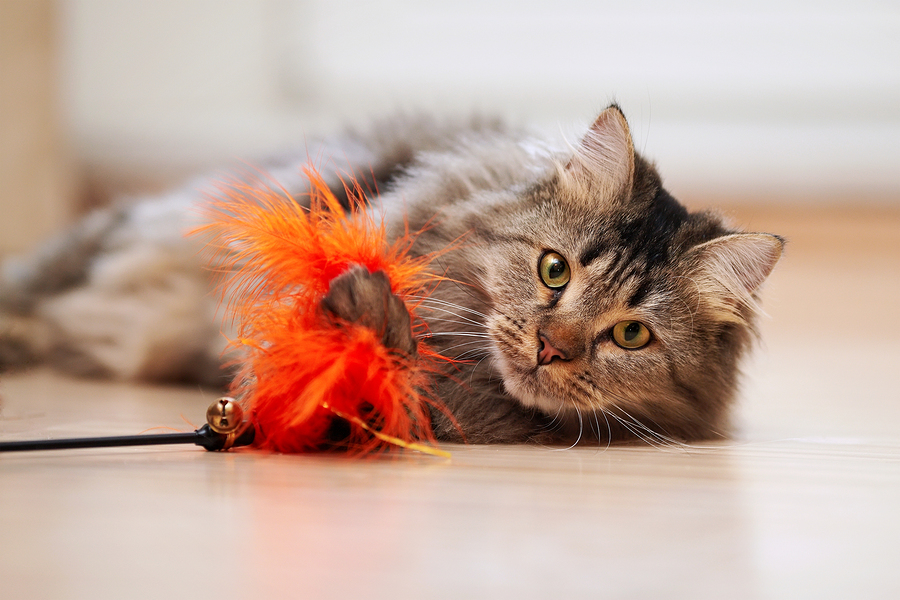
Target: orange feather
{"type": "Point", "coordinates": [300, 371]}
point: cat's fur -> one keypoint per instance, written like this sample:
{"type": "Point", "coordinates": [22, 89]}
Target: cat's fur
{"type": "Point", "coordinates": [124, 293]}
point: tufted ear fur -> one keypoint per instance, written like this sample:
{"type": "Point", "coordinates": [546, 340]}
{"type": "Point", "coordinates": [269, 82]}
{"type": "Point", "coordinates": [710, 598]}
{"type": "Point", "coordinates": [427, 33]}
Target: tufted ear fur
{"type": "Point", "coordinates": [603, 164]}
{"type": "Point", "coordinates": [729, 270]}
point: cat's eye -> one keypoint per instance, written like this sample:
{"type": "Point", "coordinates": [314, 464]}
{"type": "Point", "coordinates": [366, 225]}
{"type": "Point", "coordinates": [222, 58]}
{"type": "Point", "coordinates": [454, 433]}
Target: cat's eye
{"type": "Point", "coordinates": [554, 270]}
{"type": "Point", "coordinates": [631, 335]}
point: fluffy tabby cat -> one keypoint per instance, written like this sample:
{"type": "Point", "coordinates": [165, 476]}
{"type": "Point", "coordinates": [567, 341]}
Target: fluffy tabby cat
{"type": "Point", "coordinates": [586, 301]}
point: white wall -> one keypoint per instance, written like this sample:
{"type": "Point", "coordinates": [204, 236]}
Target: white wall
{"type": "Point", "coordinates": [794, 100]}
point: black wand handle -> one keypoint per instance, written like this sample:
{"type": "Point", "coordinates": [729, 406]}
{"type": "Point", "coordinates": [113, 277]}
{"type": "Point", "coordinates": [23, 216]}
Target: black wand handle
{"type": "Point", "coordinates": [224, 429]}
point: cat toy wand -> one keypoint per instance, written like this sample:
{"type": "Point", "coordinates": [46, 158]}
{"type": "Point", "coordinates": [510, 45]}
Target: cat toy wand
{"type": "Point", "coordinates": [302, 369]}
{"type": "Point", "coordinates": [225, 428]}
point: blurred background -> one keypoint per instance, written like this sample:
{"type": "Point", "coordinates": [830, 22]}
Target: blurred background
{"type": "Point", "coordinates": [790, 101]}
{"type": "Point", "coordinates": [786, 113]}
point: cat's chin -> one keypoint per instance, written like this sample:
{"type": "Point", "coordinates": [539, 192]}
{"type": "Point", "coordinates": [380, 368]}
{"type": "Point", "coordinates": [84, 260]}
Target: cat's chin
{"type": "Point", "coordinates": [541, 403]}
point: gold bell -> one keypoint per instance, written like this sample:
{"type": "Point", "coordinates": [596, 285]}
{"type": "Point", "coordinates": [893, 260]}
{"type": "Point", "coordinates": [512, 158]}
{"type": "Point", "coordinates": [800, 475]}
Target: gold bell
{"type": "Point", "coordinates": [224, 415]}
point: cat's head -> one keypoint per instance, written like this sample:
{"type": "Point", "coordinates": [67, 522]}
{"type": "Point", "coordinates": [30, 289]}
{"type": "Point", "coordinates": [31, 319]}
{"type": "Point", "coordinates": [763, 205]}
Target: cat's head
{"type": "Point", "coordinates": [608, 298]}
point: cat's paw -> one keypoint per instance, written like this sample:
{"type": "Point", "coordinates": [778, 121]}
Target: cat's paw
{"type": "Point", "coordinates": [360, 296]}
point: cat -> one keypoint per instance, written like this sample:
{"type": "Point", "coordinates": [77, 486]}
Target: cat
{"type": "Point", "coordinates": [584, 301]}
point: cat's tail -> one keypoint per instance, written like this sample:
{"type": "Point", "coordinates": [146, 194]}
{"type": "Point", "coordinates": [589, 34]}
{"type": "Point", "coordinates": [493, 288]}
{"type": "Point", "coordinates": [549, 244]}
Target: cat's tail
{"type": "Point", "coordinates": [26, 281]}
{"type": "Point", "coordinates": [121, 294]}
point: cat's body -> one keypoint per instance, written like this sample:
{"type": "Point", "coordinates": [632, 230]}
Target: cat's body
{"type": "Point", "coordinates": [582, 298]}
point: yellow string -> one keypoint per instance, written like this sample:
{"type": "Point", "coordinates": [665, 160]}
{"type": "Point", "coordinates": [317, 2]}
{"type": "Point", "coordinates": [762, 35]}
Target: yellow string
{"type": "Point", "coordinates": [389, 438]}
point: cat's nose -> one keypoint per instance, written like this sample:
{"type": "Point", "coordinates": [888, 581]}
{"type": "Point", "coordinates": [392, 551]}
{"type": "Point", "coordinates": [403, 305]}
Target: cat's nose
{"type": "Point", "coordinates": [547, 352]}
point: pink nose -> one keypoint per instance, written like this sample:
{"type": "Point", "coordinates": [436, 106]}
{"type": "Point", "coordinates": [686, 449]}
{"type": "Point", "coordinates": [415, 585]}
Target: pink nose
{"type": "Point", "coordinates": [546, 351]}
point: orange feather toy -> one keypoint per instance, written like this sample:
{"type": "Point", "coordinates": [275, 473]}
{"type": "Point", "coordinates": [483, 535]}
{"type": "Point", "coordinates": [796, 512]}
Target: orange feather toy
{"type": "Point", "coordinates": [300, 371]}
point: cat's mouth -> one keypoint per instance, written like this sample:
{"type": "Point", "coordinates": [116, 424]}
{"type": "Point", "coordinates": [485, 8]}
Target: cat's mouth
{"type": "Point", "coordinates": [531, 364]}
{"type": "Point", "coordinates": [532, 382]}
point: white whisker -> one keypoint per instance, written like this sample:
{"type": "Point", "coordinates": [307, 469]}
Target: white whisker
{"type": "Point", "coordinates": [580, 429]}
{"type": "Point", "coordinates": [466, 322]}
{"type": "Point", "coordinates": [475, 368]}
{"type": "Point", "coordinates": [649, 434]}
{"type": "Point", "coordinates": [608, 427]}
{"type": "Point", "coordinates": [474, 353]}
{"type": "Point", "coordinates": [637, 432]}
{"type": "Point", "coordinates": [555, 420]}
{"type": "Point", "coordinates": [469, 343]}
{"type": "Point", "coordinates": [427, 299]}
{"type": "Point", "coordinates": [478, 334]}
{"type": "Point", "coordinates": [595, 424]}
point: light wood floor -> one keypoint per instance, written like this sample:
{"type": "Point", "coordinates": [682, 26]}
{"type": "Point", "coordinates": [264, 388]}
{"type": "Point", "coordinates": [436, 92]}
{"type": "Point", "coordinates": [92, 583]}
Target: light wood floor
{"type": "Point", "coordinates": [804, 503]}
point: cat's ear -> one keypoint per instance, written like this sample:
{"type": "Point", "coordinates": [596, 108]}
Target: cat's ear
{"type": "Point", "coordinates": [604, 160]}
{"type": "Point", "coordinates": [728, 270]}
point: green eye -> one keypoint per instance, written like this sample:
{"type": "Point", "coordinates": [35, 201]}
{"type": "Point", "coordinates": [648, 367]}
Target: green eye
{"type": "Point", "coordinates": [554, 270]}
{"type": "Point", "coordinates": [631, 335]}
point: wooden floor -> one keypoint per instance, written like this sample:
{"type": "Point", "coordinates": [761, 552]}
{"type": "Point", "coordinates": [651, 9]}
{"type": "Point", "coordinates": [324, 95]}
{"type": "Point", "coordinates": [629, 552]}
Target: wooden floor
{"type": "Point", "coordinates": [804, 503]}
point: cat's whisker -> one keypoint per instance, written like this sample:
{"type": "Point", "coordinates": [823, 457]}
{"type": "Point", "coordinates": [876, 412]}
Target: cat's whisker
{"type": "Point", "coordinates": [480, 334]}
{"type": "Point", "coordinates": [635, 427]}
{"type": "Point", "coordinates": [465, 289]}
{"type": "Point", "coordinates": [628, 421]}
{"type": "Point", "coordinates": [653, 437]}
{"type": "Point", "coordinates": [608, 426]}
{"type": "Point", "coordinates": [426, 301]}
{"type": "Point", "coordinates": [664, 441]}
{"type": "Point", "coordinates": [474, 352]}
{"type": "Point", "coordinates": [478, 351]}
{"type": "Point", "coordinates": [460, 319]}
{"type": "Point", "coordinates": [637, 433]}
{"type": "Point", "coordinates": [466, 322]}
{"type": "Point", "coordinates": [555, 422]}
{"type": "Point", "coordinates": [493, 370]}
{"type": "Point", "coordinates": [475, 368]}
{"type": "Point", "coordinates": [472, 355]}
{"type": "Point", "coordinates": [661, 439]}
{"type": "Point", "coordinates": [481, 350]}
{"type": "Point", "coordinates": [597, 430]}
{"type": "Point", "coordinates": [580, 429]}
{"type": "Point", "coordinates": [475, 340]}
